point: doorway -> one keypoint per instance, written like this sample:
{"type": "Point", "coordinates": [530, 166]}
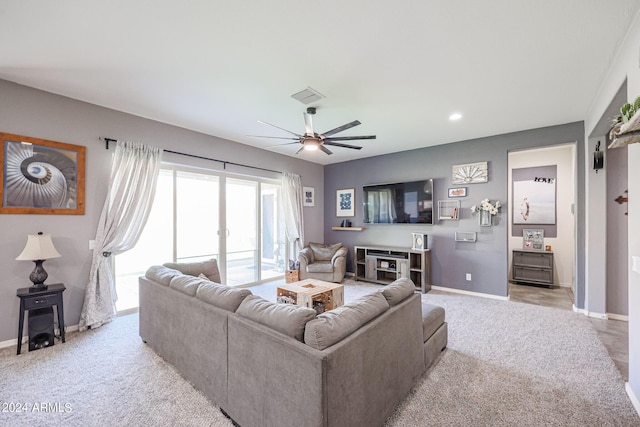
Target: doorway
{"type": "Point", "coordinates": [553, 167]}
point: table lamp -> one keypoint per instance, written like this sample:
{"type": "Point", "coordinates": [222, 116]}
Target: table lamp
{"type": "Point", "coordinates": [39, 247]}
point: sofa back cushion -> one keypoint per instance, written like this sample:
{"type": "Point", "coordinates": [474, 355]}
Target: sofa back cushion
{"type": "Point", "coordinates": [224, 297]}
{"type": "Point", "coordinates": [324, 252]}
{"type": "Point", "coordinates": [332, 326]}
{"type": "Point", "coordinates": [398, 290]}
{"type": "Point", "coordinates": [284, 318]}
{"type": "Point", "coordinates": [161, 274]}
{"type": "Point", "coordinates": [209, 268]}
{"type": "Point", "coordinates": [186, 284]}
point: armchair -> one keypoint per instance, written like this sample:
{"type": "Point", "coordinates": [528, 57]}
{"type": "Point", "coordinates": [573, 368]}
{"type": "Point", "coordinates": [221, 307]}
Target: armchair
{"type": "Point", "coordinates": [323, 262]}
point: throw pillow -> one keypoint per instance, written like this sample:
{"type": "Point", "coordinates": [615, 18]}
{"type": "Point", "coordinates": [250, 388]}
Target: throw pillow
{"type": "Point", "coordinates": [161, 274]}
{"type": "Point", "coordinates": [186, 284]}
{"type": "Point", "coordinates": [209, 268]}
{"type": "Point", "coordinates": [221, 296]}
{"type": "Point", "coordinates": [398, 290]}
{"type": "Point", "coordinates": [332, 326]}
{"type": "Point", "coordinates": [324, 252]}
{"type": "Point", "coordinates": [285, 318]}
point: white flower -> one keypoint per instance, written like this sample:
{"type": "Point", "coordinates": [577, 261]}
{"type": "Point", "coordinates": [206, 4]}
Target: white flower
{"type": "Point", "coordinates": [486, 205]}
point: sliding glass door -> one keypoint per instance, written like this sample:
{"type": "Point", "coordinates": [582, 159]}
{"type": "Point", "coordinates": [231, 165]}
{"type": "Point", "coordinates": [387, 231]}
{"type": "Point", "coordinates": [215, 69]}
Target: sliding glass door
{"type": "Point", "coordinates": [198, 215]}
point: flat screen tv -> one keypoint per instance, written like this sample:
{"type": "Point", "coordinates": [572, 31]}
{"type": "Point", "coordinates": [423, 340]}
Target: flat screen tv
{"type": "Point", "coordinates": [399, 203]}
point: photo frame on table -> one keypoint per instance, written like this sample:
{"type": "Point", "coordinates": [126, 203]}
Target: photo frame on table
{"type": "Point", "coordinates": [345, 202]}
{"type": "Point", "coordinates": [41, 176]}
{"type": "Point", "coordinates": [533, 239]}
{"type": "Point", "coordinates": [308, 196]}
{"type": "Point", "coordinates": [457, 192]}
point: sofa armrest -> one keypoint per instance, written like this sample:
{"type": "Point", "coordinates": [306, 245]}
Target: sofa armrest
{"type": "Point", "coordinates": [306, 256]}
{"type": "Point", "coordinates": [340, 253]}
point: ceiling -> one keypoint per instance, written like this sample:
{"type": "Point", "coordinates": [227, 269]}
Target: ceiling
{"type": "Point", "coordinates": [401, 68]}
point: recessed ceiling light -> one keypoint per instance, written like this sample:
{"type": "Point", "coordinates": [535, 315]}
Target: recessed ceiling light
{"type": "Point", "coordinates": [455, 116]}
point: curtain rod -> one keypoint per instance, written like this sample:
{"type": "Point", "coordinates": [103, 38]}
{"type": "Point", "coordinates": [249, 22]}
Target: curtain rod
{"type": "Point", "coordinates": [224, 162]}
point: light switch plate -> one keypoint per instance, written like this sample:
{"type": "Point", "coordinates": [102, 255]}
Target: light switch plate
{"type": "Point", "coordinates": [635, 264]}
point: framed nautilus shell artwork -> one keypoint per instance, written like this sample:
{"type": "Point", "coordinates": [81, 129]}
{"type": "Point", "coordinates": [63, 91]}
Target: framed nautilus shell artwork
{"type": "Point", "coordinates": [40, 176]}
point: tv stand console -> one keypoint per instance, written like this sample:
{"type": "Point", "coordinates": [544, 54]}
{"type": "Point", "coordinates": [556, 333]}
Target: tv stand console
{"type": "Point", "coordinates": [384, 264]}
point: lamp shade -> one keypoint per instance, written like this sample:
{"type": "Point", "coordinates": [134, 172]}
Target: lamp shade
{"type": "Point", "coordinates": [39, 246]}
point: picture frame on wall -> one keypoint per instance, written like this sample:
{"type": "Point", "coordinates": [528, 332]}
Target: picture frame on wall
{"type": "Point", "coordinates": [41, 176]}
{"type": "Point", "coordinates": [458, 192]}
{"type": "Point", "coordinates": [308, 196]}
{"type": "Point", "coordinates": [470, 173]}
{"type": "Point", "coordinates": [345, 202]}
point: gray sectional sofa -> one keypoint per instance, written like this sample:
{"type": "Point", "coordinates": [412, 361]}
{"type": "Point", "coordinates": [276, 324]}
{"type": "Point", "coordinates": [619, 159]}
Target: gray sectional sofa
{"type": "Point", "coordinates": [268, 364]}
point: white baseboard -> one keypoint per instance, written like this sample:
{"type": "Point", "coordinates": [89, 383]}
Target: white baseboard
{"type": "Point", "coordinates": [475, 294]}
{"type": "Point", "coordinates": [25, 338]}
{"type": "Point", "coordinates": [632, 396]}
{"type": "Point", "coordinates": [620, 317]}
{"type": "Point", "coordinates": [595, 315]}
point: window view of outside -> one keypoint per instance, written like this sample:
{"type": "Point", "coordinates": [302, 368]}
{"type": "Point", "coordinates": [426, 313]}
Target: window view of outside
{"type": "Point", "coordinates": [154, 247]}
{"type": "Point", "coordinates": [253, 234]}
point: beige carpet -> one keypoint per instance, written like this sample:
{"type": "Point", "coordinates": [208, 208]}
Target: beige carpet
{"type": "Point", "coordinates": [507, 364]}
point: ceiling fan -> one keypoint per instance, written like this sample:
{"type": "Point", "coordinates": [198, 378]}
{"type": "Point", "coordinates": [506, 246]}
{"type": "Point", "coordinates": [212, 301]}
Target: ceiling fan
{"type": "Point", "coordinates": [312, 141]}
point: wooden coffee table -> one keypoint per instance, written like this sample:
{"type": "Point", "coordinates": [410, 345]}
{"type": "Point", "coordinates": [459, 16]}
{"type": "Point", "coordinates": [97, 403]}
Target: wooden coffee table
{"type": "Point", "coordinates": [312, 293]}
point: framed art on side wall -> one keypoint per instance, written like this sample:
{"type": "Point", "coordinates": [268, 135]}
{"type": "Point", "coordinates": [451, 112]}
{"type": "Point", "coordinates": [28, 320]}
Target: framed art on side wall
{"type": "Point", "coordinates": [40, 176]}
{"type": "Point", "coordinates": [308, 198]}
{"type": "Point", "coordinates": [345, 202]}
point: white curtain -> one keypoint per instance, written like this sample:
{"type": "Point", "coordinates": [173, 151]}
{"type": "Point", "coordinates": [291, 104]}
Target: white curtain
{"type": "Point", "coordinates": [292, 208]}
{"type": "Point", "coordinates": [134, 173]}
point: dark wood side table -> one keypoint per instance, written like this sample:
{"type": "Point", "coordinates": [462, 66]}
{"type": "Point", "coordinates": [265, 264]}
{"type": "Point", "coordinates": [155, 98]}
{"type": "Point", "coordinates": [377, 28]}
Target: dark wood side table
{"type": "Point", "coordinates": [31, 299]}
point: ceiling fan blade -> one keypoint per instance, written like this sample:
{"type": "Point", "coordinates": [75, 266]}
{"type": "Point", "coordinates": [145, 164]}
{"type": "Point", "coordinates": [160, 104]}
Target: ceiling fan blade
{"type": "Point", "coordinates": [337, 144]}
{"type": "Point", "coordinates": [301, 148]}
{"type": "Point", "coordinates": [278, 127]}
{"type": "Point", "coordinates": [342, 128]}
{"type": "Point", "coordinates": [273, 137]}
{"type": "Point", "coordinates": [308, 124]}
{"type": "Point", "coordinates": [325, 149]}
{"type": "Point", "coordinates": [280, 145]}
{"type": "Point", "coordinates": [350, 138]}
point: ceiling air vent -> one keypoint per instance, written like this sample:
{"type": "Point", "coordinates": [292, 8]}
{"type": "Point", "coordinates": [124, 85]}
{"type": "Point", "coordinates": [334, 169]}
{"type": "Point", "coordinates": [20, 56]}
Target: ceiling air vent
{"type": "Point", "coordinates": [308, 96]}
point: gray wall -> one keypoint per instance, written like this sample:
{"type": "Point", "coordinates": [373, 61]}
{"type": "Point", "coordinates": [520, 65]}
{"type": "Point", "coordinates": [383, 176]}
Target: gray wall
{"type": "Point", "coordinates": [30, 112]}
{"type": "Point", "coordinates": [486, 259]}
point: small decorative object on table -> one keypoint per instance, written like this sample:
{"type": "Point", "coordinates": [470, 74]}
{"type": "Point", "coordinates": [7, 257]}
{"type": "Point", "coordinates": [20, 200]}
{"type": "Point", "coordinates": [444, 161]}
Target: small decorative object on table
{"type": "Point", "coordinates": [292, 276]}
{"type": "Point", "coordinates": [486, 211]}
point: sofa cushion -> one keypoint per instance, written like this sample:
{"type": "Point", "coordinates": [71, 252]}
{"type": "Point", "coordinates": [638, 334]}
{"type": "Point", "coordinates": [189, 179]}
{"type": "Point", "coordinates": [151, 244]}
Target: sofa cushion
{"type": "Point", "coordinates": [161, 274]}
{"type": "Point", "coordinates": [324, 252]}
{"type": "Point", "coordinates": [225, 297]}
{"type": "Point", "coordinates": [209, 268]}
{"type": "Point", "coordinates": [320, 267]}
{"type": "Point", "coordinates": [332, 326]}
{"type": "Point", "coordinates": [186, 284]}
{"type": "Point", "coordinates": [432, 318]}
{"type": "Point", "coordinates": [285, 318]}
{"type": "Point", "coordinates": [398, 290]}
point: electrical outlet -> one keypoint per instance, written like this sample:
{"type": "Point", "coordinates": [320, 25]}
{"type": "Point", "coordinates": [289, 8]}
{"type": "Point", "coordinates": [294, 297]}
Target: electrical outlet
{"type": "Point", "coordinates": [468, 277]}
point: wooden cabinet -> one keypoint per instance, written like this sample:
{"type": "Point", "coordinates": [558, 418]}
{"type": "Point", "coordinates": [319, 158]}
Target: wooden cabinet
{"type": "Point", "coordinates": [533, 267]}
{"type": "Point", "coordinates": [383, 265]}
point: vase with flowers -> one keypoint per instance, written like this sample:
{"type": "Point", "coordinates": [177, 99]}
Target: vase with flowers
{"type": "Point", "coordinates": [486, 210]}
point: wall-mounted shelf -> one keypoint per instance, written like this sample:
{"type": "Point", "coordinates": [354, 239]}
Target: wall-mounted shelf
{"type": "Point", "coordinates": [348, 228]}
{"type": "Point", "coordinates": [448, 209]}
{"type": "Point", "coordinates": [466, 236]}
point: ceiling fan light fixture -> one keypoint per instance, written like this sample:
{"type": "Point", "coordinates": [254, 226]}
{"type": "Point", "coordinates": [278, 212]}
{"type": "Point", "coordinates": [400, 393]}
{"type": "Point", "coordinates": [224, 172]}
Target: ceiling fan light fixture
{"type": "Point", "coordinates": [310, 145]}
